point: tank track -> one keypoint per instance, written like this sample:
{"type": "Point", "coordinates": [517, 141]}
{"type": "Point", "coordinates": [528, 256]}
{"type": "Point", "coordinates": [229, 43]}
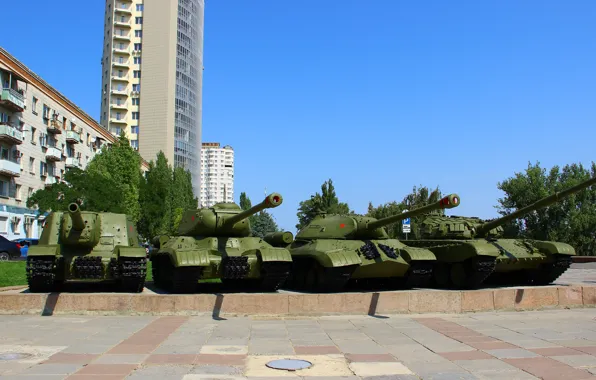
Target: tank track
{"type": "Point", "coordinates": [41, 274]}
{"type": "Point", "coordinates": [548, 273]}
{"type": "Point", "coordinates": [87, 267]}
{"type": "Point", "coordinates": [175, 280]}
{"type": "Point", "coordinates": [419, 275]}
{"type": "Point", "coordinates": [474, 273]}
{"type": "Point", "coordinates": [308, 275]}
{"type": "Point", "coordinates": [234, 267]}
{"type": "Point", "coordinates": [133, 271]}
{"type": "Point", "coordinates": [275, 274]}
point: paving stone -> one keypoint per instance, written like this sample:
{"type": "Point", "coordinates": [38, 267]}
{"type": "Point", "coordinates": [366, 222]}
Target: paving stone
{"type": "Point", "coordinates": [87, 348]}
{"type": "Point", "coordinates": [556, 351]}
{"type": "Point", "coordinates": [181, 349]}
{"type": "Point", "coordinates": [392, 377]}
{"type": "Point", "coordinates": [52, 369]}
{"type": "Point", "coordinates": [171, 359]}
{"type": "Point", "coordinates": [224, 350]}
{"type": "Point", "coordinates": [577, 360]}
{"type": "Point", "coordinates": [466, 355]}
{"type": "Point", "coordinates": [450, 376]}
{"type": "Point", "coordinates": [65, 358]}
{"type": "Point", "coordinates": [271, 349]}
{"type": "Point", "coordinates": [316, 350]}
{"type": "Point", "coordinates": [120, 359]}
{"type": "Point", "coordinates": [34, 377]}
{"type": "Point", "coordinates": [159, 373]}
{"type": "Point", "coordinates": [360, 347]}
{"type": "Point", "coordinates": [379, 369]}
{"type": "Point", "coordinates": [505, 375]}
{"type": "Point", "coordinates": [216, 370]}
{"type": "Point", "coordinates": [512, 353]}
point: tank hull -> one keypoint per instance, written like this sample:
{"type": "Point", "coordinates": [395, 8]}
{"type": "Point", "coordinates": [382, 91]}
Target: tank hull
{"type": "Point", "coordinates": [472, 263]}
{"type": "Point", "coordinates": [241, 262]}
{"type": "Point", "coordinates": [327, 265]}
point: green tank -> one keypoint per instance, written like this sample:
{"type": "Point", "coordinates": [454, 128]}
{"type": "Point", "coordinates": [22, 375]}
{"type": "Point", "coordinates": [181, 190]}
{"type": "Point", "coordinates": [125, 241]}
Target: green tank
{"type": "Point", "coordinates": [471, 251]}
{"type": "Point", "coordinates": [333, 249]}
{"type": "Point", "coordinates": [216, 243]}
{"type": "Point", "coordinates": [87, 246]}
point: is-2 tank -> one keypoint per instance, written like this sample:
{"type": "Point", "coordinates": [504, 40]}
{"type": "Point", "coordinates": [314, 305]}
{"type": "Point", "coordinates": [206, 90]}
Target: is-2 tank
{"type": "Point", "coordinates": [471, 251]}
{"type": "Point", "coordinates": [216, 243]}
{"type": "Point", "coordinates": [333, 249]}
{"type": "Point", "coordinates": [87, 246]}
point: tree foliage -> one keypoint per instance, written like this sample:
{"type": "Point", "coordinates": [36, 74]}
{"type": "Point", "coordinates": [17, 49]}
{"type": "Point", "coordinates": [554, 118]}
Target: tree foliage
{"type": "Point", "coordinates": [260, 224]}
{"type": "Point", "coordinates": [324, 202]}
{"type": "Point", "coordinates": [419, 197]}
{"type": "Point", "coordinates": [571, 220]}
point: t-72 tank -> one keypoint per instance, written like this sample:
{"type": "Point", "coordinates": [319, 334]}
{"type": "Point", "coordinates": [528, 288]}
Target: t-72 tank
{"type": "Point", "coordinates": [332, 249]}
{"type": "Point", "coordinates": [87, 246]}
{"type": "Point", "coordinates": [470, 250]}
{"type": "Point", "coordinates": [215, 243]}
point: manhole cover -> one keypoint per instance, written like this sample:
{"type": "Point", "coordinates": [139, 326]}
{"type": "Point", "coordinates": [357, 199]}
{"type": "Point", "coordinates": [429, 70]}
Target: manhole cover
{"type": "Point", "coordinates": [289, 364]}
{"type": "Point", "coordinates": [13, 356]}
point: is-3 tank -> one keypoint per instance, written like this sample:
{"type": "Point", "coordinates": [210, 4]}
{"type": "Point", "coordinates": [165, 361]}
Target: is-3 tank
{"type": "Point", "coordinates": [216, 243]}
{"type": "Point", "coordinates": [87, 246]}
{"type": "Point", "coordinates": [332, 249]}
{"type": "Point", "coordinates": [471, 251]}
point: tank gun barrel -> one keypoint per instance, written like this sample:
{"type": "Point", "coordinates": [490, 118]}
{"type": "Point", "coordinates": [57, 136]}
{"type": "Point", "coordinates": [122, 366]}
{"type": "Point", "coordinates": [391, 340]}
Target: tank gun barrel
{"type": "Point", "coordinates": [553, 198]}
{"type": "Point", "coordinates": [74, 211]}
{"type": "Point", "coordinates": [449, 201]}
{"type": "Point", "coordinates": [271, 201]}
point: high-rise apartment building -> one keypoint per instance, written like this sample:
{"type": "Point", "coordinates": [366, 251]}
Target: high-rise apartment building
{"type": "Point", "coordinates": [42, 135]}
{"type": "Point", "coordinates": [152, 71]}
{"type": "Point", "coordinates": [217, 174]}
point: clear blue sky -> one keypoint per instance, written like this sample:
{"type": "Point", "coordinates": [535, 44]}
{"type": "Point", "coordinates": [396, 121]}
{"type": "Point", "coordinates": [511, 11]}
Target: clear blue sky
{"type": "Point", "coordinates": [378, 95]}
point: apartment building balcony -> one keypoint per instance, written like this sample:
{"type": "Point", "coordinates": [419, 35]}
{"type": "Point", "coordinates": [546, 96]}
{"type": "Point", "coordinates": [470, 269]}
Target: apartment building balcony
{"type": "Point", "coordinates": [124, 63]}
{"type": "Point", "coordinates": [53, 154]}
{"type": "Point", "coordinates": [122, 37]}
{"type": "Point", "coordinates": [123, 24]}
{"type": "Point", "coordinates": [73, 162]}
{"type": "Point", "coordinates": [50, 180]}
{"type": "Point", "coordinates": [121, 51]}
{"type": "Point", "coordinates": [121, 106]}
{"type": "Point", "coordinates": [55, 127]}
{"type": "Point", "coordinates": [122, 92]}
{"type": "Point", "coordinates": [123, 78]}
{"type": "Point", "coordinates": [136, 53]}
{"type": "Point", "coordinates": [10, 134]}
{"type": "Point", "coordinates": [12, 99]}
{"type": "Point", "coordinates": [113, 120]}
{"type": "Point", "coordinates": [124, 10]}
{"type": "Point", "coordinates": [73, 137]}
{"type": "Point", "coordinates": [10, 168]}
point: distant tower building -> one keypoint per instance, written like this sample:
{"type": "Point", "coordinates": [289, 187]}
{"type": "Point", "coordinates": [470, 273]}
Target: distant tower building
{"type": "Point", "coordinates": [217, 174]}
{"type": "Point", "coordinates": [152, 75]}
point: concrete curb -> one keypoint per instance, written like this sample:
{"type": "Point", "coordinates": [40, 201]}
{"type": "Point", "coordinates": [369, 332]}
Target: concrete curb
{"type": "Point", "coordinates": [16, 287]}
{"type": "Point", "coordinates": [296, 304]}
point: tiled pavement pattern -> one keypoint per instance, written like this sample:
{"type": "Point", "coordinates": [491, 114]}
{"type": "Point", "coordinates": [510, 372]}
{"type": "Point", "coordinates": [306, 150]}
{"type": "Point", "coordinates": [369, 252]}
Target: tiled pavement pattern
{"type": "Point", "coordinates": [556, 344]}
{"type": "Point", "coordinates": [579, 273]}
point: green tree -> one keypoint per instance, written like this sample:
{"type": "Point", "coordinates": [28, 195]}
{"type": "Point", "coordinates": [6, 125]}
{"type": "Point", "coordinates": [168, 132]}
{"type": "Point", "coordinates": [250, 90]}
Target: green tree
{"type": "Point", "coordinates": [182, 197]}
{"type": "Point", "coordinates": [119, 165]}
{"type": "Point", "coordinates": [245, 204]}
{"type": "Point", "coordinates": [419, 197]}
{"type": "Point", "coordinates": [326, 202]}
{"type": "Point", "coordinates": [572, 220]}
{"type": "Point", "coordinates": [263, 224]}
{"type": "Point", "coordinates": [156, 199]}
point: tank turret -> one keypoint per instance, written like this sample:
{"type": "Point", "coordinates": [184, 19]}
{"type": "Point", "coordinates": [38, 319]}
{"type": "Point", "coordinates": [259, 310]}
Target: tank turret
{"type": "Point", "coordinates": [459, 227]}
{"type": "Point", "coordinates": [334, 226]}
{"type": "Point", "coordinates": [78, 224]}
{"type": "Point", "coordinates": [80, 228]}
{"type": "Point", "coordinates": [224, 219]}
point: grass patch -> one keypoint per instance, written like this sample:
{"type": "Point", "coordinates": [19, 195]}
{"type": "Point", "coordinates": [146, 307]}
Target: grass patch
{"type": "Point", "coordinates": [13, 273]}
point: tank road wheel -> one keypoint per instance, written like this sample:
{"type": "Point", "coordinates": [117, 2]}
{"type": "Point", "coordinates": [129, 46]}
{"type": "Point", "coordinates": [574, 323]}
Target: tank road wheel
{"type": "Point", "coordinates": [182, 279]}
{"type": "Point", "coordinates": [133, 271]}
{"type": "Point", "coordinates": [297, 277]}
{"type": "Point", "coordinates": [471, 273]}
{"type": "Point", "coordinates": [548, 273]}
{"type": "Point", "coordinates": [419, 275]}
{"type": "Point", "coordinates": [328, 280]}
{"type": "Point", "coordinates": [41, 276]}
{"type": "Point", "coordinates": [442, 275]}
{"type": "Point", "coordinates": [158, 271]}
{"type": "Point", "coordinates": [274, 275]}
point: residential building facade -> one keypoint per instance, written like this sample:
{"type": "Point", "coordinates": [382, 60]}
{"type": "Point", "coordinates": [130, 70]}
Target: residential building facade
{"type": "Point", "coordinates": [42, 134]}
{"type": "Point", "coordinates": [152, 77]}
{"type": "Point", "coordinates": [217, 174]}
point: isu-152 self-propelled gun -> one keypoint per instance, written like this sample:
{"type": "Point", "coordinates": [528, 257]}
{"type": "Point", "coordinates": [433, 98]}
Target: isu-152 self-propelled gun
{"type": "Point", "coordinates": [333, 248]}
{"type": "Point", "coordinates": [216, 243]}
{"type": "Point", "coordinates": [87, 246]}
{"type": "Point", "coordinates": [471, 251]}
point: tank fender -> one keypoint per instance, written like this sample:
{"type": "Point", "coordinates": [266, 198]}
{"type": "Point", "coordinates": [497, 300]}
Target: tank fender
{"type": "Point", "coordinates": [131, 252]}
{"type": "Point", "coordinates": [554, 247]}
{"type": "Point", "coordinates": [190, 258]}
{"type": "Point", "coordinates": [274, 254]}
{"type": "Point", "coordinates": [418, 254]}
{"type": "Point", "coordinates": [43, 250]}
{"type": "Point", "coordinates": [338, 258]}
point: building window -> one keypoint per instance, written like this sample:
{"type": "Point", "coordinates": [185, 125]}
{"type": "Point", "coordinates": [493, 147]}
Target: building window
{"type": "Point", "coordinates": [138, 47]}
{"type": "Point", "coordinates": [135, 129]}
{"type": "Point", "coordinates": [118, 115]}
{"type": "Point", "coordinates": [17, 193]}
{"type": "Point", "coordinates": [140, 7]}
{"type": "Point", "coordinates": [137, 60]}
{"type": "Point", "coordinates": [138, 33]}
{"type": "Point", "coordinates": [33, 130]}
{"type": "Point", "coordinates": [134, 144]}
{"type": "Point", "coordinates": [29, 192]}
{"type": "Point", "coordinates": [135, 116]}
{"type": "Point", "coordinates": [34, 105]}
{"type": "Point", "coordinates": [136, 87]}
{"type": "Point", "coordinates": [31, 165]}
{"type": "Point", "coordinates": [136, 101]}
{"type": "Point", "coordinates": [138, 20]}
{"type": "Point", "coordinates": [137, 73]}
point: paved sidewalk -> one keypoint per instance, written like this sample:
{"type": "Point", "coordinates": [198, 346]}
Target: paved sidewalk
{"type": "Point", "coordinates": [557, 344]}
